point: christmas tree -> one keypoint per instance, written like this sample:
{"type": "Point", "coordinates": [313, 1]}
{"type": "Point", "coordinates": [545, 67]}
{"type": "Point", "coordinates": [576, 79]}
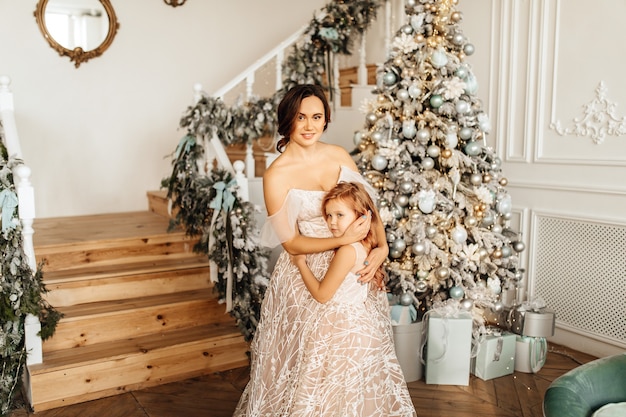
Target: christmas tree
{"type": "Point", "coordinates": [442, 194]}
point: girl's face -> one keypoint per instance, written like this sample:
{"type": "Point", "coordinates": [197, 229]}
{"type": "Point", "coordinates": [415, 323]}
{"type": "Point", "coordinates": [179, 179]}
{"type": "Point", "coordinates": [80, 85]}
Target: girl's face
{"type": "Point", "coordinates": [339, 216]}
{"type": "Point", "coordinates": [309, 124]}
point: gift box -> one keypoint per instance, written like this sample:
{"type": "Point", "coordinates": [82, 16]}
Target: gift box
{"type": "Point", "coordinates": [407, 339]}
{"type": "Point", "coordinates": [495, 356]}
{"type": "Point", "coordinates": [530, 353]}
{"type": "Point", "coordinates": [529, 322]}
{"type": "Point", "coordinates": [448, 348]}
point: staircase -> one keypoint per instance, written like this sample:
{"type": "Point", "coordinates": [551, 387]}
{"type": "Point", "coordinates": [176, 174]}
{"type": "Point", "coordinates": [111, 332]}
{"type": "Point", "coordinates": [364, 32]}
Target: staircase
{"type": "Point", "coordinates": [138, 308]}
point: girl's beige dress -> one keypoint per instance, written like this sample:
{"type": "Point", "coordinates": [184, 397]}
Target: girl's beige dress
{"type": "Point", "coordinates": [313, 359]}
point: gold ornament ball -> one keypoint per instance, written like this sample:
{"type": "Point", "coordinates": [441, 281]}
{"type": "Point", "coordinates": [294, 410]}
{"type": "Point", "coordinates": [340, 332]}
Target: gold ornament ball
{"type": "Point", "coordinates": [456, 16]}
{"type": "Point", "coordinates": [503, 182]}
{"type": "Point", "coordinates": [497, 254]}
{"type": "Point", "coordinates": [476, 207]}
{"type": "Point", "coordinates": [486, 178]}
{"type": "Point", "coordinates": [446, 153]}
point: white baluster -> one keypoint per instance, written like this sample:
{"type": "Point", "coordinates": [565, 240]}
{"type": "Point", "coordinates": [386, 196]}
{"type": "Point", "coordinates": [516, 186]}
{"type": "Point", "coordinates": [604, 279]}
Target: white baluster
{"type": "Point", "coordinates": [249, 85]}
{"type": "Point", "coordinates": [280, 57]}
{"type": "Point", "coordinates": [362, 72]}
{"type": "Point", "coordinates": [250, 162]}
{"type": "Point", "coordinates": [242, 181]}
{"type": "Point", "coordinates": [8, 118]}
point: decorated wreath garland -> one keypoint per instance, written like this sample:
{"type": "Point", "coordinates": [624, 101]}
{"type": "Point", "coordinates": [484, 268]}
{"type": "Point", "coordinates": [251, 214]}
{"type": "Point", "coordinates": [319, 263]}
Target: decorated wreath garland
{"type": "Point", "coordinates": [21, 288]}
{"type": "Point", "coordinates": [228, 232]}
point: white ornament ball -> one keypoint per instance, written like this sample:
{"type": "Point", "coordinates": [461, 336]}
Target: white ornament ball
{"type": "Point", "coordinates": [462, 106]}
{"type": "Point", "coordinates": [414, 91]}
{"type": "Point", "coordinates": [467, 304]}
{"type": "Point", "coordinates": [428, 163]}
{"type": "Point", "coordinates": [459, 234]}
{"type": "Point", "coordinates": [379, 162]}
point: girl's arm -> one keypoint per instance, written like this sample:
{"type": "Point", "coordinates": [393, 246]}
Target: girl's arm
{"type": "Point", "coordinates": [340, 266]}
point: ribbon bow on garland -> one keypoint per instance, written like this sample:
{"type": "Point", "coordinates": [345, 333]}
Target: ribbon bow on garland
{"type": "Point", "coordinates": [223, 202]}
{"type": "Point", "coordinates": [8, 203]}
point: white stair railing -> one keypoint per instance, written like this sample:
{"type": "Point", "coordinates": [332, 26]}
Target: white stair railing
{"type": "Point", "coordinates": [26, 209]}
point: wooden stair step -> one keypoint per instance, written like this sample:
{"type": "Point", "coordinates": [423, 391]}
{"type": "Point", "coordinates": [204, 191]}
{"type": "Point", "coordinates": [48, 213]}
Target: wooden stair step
{"type": "Point", "coordinates": [86, 373]}
{"type": "Point", "coordinates": [100, 322]}
{"type": "Point", "coordinates": [108, 239]}
{"type": "Point", "coordinates": [139, 279]}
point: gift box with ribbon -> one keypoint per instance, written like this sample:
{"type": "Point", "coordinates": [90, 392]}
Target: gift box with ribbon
{"type": "Point", "coordinates": [530, 353]}
{"type": "Point", "coordinates": [531, 318]}
{"type": "Point", "coordinates": [401, 315]}
{"type": "Point", "coordinates": [496, 354]}
{"type": "Point", "coordinates": [447, 346]}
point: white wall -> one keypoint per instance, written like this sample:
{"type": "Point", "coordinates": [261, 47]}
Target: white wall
{"type": "Point", "coordinates": [540, 62]}
{"type": "Point", "coordinates": [97, 137]}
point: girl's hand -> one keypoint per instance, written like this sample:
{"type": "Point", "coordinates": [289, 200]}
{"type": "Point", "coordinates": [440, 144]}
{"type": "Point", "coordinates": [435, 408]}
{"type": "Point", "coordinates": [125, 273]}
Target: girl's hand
{"type": "Point", "coordinates": [298, 260]}
{"type": "Point", "coordinates": [358, 230]}
{"type": "Point", "coordinates": [374, 260]}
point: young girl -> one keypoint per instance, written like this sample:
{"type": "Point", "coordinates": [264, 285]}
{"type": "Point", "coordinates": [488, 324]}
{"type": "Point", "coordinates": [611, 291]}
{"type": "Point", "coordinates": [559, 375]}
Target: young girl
{"type": "Point", "coordinates": [349, 363]}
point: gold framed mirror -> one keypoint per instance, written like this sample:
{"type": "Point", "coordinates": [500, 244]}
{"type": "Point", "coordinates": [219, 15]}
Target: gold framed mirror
{"type": "Point", "coordinates": [78, 29]}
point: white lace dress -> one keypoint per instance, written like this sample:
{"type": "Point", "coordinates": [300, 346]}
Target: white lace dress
{"type": "Point", "coordinates": [313, 359]}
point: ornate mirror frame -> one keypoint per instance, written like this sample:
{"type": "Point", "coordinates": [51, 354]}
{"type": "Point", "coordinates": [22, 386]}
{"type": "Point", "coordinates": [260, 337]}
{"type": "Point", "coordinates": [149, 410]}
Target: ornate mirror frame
{"type": "Point", "coordinates": [78, 55]}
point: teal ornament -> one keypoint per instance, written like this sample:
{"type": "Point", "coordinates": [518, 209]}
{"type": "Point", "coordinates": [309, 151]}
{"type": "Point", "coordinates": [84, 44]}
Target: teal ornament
{"type": "Point", "coordinates": [389, 78]}
{"type": "Point", "coordinates": [358, 137]}
{"type": "Point", "coordinates": [473, 148]}
{"type": "Point", "coordinates": [465, 133]}
{"type": "Point", "coordinates": [457, 292]}
{"type": "Point", "coordinates": [471, 84]}
{"type": "Point", "coordinates": [506, 251]}
{"type": "Point", "coordinates": [439, 59]}
{"type": "Point", "coordinates": [461, 72]}
{"type": "Point", "coordinates": [377, 136]}
{"type": "Point", "coordinates": [468, 49]}
{"type": "Point", "coordinates": [436, 101]}
{"type": "Point", "coordinates": [504, 205]}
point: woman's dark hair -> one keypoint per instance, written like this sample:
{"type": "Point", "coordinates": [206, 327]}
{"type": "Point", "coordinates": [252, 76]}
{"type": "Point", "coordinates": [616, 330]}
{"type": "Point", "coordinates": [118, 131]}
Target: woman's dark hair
{"type": "Point", "coordinates": [289, 108]}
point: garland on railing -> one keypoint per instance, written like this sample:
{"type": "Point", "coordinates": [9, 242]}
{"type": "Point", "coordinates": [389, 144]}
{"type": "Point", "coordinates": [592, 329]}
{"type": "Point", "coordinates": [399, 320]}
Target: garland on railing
{"type": "Point", "coordinates": [21, 289]}
{"type": "Point", "coordinates": [333, 30]}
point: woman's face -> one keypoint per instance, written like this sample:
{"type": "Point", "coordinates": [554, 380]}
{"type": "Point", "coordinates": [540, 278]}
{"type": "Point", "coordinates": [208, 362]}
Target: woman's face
{"type": "Point", "coordinates": [339, 216]}
{"type": "Point", "coordinates": [309, 124]}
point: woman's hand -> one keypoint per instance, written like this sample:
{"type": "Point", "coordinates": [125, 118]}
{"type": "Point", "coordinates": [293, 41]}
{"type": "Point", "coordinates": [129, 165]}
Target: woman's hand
{"type": "Point", "coordinates": [358, 230]}
{"type": "Point", "coordinates": [374, 260]}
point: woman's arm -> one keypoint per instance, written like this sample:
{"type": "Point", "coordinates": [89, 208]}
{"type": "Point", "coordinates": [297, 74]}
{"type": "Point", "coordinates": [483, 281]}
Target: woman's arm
{"type": "Point", "coordinates": [376, 257]}
{"type": "Point", "coordinates": [275, 191]}
{"type": "Point", "coordinates": [340, 266]}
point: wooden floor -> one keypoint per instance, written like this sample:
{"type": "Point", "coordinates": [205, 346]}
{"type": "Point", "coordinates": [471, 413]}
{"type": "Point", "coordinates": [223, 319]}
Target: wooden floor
{"type": "Point", "coordinates": [216, 395]}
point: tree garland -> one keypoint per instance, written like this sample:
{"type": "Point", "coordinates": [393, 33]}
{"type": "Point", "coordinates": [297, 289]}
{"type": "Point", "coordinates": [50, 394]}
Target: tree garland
{"type": "Point", "coordinates": [21, 289]}
{"type": "Point", "coordinates": [191, 188]}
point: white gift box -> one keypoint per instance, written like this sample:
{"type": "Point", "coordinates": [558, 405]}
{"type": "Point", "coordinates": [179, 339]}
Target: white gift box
{"type": "Point", "coordinates": [495, 356]}
{"type": "Point", "coordinates": [530, 353]}
{"type": "Point", "coordinates": [448, 348]}
{"type": "Point", "coordinates": [407, 339]}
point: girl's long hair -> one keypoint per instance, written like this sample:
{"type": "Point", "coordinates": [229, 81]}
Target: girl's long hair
{"type": "Point", "coordinates": [354, 195]}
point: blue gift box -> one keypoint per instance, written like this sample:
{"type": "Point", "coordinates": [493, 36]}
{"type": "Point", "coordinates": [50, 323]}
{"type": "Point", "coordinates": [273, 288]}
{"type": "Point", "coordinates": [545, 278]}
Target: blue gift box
{"type": "Point", "coordinates": [448, 348]}
{"type": "Point", "coordinates": [495, 356]}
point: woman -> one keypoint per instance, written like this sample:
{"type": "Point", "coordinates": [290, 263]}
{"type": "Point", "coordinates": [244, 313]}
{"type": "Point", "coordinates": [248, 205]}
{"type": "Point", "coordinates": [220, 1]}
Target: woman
{"type": "Point", "coordinates": [294, 186]}
{"type": "Point", "coordinates": [350, 365]}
